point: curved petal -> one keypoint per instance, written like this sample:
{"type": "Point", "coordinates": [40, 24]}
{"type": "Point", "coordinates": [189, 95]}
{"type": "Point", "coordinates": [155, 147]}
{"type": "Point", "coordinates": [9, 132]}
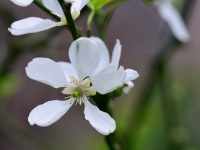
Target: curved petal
{"type": "Point", "coordinates": [174, 20]}
{"type": "Point", "coordinates": [131, 75]}
{"type": "Point", "coordinates": [53, 6]}
{"type": "Point", "coordinates": [31, 25]}
{"type": "Point", "coordinates": [49, 112]}
{"type": "Point", "coordinates": [84, 56]}
{"type": "Point", "coordinates": [116, 54]}
{"type": "Point", "coordinates": [100, 120]}
{"type": "Point", "coordinates": [68, 70]}
{"type": "Point", "coordinates": [46, 71]}
{"type": "Point", "coordinates": [78, 4]}
{"type": "Point", "coordinates": [128, 86]}
{"type": "Point", "coordinates": [22, 2]}
{"type": "Point", "coordinates": [104, 54]}
{"type": "Point", "coordinates": [108, 79]}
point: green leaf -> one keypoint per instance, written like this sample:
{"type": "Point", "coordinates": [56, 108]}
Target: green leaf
{"type": "Point", "coordinates": [98, 4]}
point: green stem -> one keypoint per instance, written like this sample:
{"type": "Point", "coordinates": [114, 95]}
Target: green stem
{"type": "Point", "coordinates": [67, 11]}
{"type": "Point", "coordinates": [80, 33]}
{"type": "Point", "coordinates": [89, 22]}
{"type": "Point", "coordinates": [90, 18]}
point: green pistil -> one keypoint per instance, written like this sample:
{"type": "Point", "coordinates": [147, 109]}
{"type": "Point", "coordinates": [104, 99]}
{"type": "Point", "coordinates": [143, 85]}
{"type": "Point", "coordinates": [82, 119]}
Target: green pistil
{"type": "Point", "coordinates": [78, 92]}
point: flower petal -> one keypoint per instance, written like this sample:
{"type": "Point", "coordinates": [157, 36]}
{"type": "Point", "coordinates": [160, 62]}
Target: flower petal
{"type": "Point", "coordinates": [104, 54]}
{"type": "Point", "coordinates": [84, 56]}
{"type": "Point", "coordinates": [49, 112]}
{"type": "Point", "coordinates": [46, 71]}
{"type": "Point", "coordinates": [128, 86]}
{"type": "Point", "coordinates": [31, 25]}
{"type": "Point", "coordinates": [53, 6]}
{"type": "Point", "coordinates": [108, 79]}
{"type": "Point", "coordinates": [116, 54]}
{"type": "Point", "coordinates": [22, 2]}
{"type": "Point", "coordinates": [169, 13]}
{"type": "Point", "coordinates": [100, 120]}
{"type": "Point", "coordinates": [78, 4]}
{"type": "Point", "coordinates": [68, 70]}
{"type": "Point", "coordinates": [131, 75]}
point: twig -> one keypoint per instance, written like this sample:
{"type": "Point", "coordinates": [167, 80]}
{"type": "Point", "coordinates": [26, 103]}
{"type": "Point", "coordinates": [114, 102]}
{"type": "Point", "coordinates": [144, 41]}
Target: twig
{"type": "Point", "coordinates": [67, 11]}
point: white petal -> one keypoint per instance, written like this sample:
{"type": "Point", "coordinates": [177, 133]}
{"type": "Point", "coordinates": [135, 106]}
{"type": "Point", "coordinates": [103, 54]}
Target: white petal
{"type": "Point", "coordinates": [84, 56]}
{"type": "Point", "coordinates": [22, 2]}
{"type": "Point", "coordinates": [116, 54]}
{"type": "Point", "coordinates": [68, 70]}
{"type": "Point", "coordinates": [78, 4]}
{"type": "Point", "coordinates": [128, 87]}
{"type": "Point", "coordinates": [131, 75]}
{"type": "Point", "coordinates": [76, 7]}
{"type": "Point", "coordinates": [100, 120]}
{"type": "Point", "coordinates": [104, 54]}
{"type": "Point", "coordinates": [49, 112]}
{"type": "Point", "coordinates": [53, 6]}
{"type": "Point", "coordinates": [46, 71]}
{"type": "Point", "coordinates": [108, 79]}
{"type": "Point", "coordinates": [174, 20]}
{"type": "Point", "coordinates": [31, 25]}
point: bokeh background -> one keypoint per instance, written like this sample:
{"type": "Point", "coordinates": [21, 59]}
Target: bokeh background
{"type": "Point", "coordinates": [144, 121]}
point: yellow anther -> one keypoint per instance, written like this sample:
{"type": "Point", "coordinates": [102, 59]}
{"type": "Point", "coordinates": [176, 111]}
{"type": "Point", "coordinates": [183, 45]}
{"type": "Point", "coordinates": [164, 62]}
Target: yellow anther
{"type": "Point", "coordinates": [67, 90]}
{"type": "Point", "coordinates": [91, 92]}
{"type": "Point", "coordinates": [86, 83]}
{"type": "Point", "coordinates": [74, 80]}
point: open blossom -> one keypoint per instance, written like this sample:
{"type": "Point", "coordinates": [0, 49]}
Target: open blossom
{"type": "Point", "coordinates": [169, 13]}
{"type": "Point", "coordinates": [35, 24]}
{"type": "Point", "coordinates": [79, 80]}
{"type": "Point", "coordinates": [105, 61]}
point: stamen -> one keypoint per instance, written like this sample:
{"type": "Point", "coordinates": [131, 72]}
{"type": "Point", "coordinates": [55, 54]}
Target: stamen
{"type": "Point", "coordinates": [90, 92]}
{"type": "Point", "coordinates": [67, 97]}
{"type": "Point", "coordinates": [67, 90]}
{"type": "Point", "coordinates": [86, 83]}
{"type": "Point", "coordinates": [74, 81]}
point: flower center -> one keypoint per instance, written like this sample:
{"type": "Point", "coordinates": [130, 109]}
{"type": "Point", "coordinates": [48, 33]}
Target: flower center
{"type": "Point", "coordinates": [78, 92]}
{"type": "Point", "coordinates": [79, 89]}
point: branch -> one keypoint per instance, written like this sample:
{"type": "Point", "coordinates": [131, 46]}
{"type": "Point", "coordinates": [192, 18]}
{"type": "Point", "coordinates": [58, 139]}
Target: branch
{"type": "Point", "coordinates": [67, 11]}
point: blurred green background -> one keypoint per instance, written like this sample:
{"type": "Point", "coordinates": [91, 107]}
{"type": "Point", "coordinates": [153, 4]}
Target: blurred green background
{"type": "Point", "coordinates": [160, 113]}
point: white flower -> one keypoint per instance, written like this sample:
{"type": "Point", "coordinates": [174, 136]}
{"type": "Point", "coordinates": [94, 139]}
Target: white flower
{"type": "Point", "coordinates": [105, 61]}
{"type": "Point", "coordinates": [22, 3]}
{"type": "Point", "coordinates": [35, 24]}
{"type": "Point", "coordinates": [169, 13]}
{"type": "Point", "coordinates": [75, 79]}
